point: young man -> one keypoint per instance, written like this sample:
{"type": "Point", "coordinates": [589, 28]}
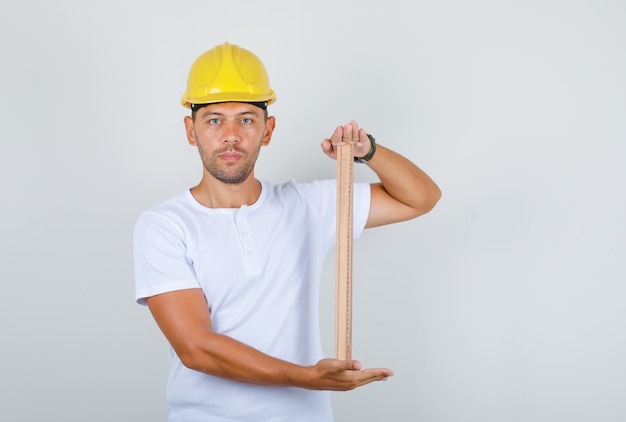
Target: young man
{"type": "Point", "coordinates": [230, 269]}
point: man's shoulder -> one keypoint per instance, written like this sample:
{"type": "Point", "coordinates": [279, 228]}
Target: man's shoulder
{"type": "Point", "coordinates": [173, 203]}
{"type": "Point", "coordinates": [302, 187]}
{"type": "Point", "coordinates": [174, 210]}
{"type": "Point", "coordinates": [293, 191]}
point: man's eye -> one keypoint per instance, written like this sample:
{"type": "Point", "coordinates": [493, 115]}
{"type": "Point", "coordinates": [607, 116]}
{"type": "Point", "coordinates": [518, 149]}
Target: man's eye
{"type": "Point", "coordinates": [214, 121]}
{"type": "Point", "coordinates": [246, 121]}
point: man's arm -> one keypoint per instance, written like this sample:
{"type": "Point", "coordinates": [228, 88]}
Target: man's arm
{"type": "Point", "coordinates": [404, 191]}
{"type": "Point", "coordinates": [184, 318]}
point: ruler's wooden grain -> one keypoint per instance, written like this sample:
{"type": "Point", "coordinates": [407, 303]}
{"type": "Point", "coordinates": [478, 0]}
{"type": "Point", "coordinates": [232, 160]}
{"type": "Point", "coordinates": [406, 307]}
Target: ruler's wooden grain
{"type": "Point", "coordinates": [343, 295]}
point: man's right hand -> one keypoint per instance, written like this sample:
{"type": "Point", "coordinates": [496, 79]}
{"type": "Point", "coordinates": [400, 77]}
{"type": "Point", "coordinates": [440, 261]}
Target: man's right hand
{"type": "Point", "coordinates": [344, 375]}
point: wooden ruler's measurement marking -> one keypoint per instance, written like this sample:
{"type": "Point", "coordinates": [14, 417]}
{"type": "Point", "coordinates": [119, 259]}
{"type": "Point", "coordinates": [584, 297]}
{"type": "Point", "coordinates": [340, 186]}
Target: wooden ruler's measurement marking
{"type": "Point", "coordinates": [343, 296]}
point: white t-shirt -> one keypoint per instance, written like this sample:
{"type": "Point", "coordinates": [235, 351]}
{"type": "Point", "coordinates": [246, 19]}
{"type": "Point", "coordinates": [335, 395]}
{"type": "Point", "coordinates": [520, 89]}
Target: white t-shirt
{"type": "Point", "coordinates": [259, 267]}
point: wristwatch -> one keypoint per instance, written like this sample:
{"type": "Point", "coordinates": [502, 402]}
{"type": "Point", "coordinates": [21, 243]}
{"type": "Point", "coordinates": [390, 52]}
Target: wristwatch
{"type": "Point", "coordinates": [370, 154]}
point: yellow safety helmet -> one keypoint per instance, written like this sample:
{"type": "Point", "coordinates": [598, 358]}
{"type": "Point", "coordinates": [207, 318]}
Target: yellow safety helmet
{"type": "Point", "coordinates": [226, 73]}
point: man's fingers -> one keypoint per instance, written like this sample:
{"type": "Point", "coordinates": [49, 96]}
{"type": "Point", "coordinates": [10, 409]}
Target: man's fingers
{"type": "Point", "coordinates": [346, 375]}
{"type": "Point", "coordinates": [379, 372]}
{"type": "Point", "coordinates": [338, 135]}
{"type": "Point", "coordinates": [349, 134]}
{"type": "Point", "coordinates": [362, 136]}
{"type": "Point", "coordinates": [355, 130]}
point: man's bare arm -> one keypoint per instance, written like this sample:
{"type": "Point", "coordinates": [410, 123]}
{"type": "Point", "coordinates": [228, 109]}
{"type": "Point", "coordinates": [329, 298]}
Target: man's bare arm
{"type": "Point", "coordinates": [184, 318]}
{"type": "Point", "coordinates": [404, 191]}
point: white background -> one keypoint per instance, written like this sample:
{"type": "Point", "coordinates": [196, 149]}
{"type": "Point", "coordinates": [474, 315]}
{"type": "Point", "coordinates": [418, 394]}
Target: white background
{"type": "Point", "coordinates": [505, 303]}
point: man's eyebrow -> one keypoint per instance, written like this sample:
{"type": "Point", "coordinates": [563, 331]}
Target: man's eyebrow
{"type": "Point", "coordinates": [217, 113]}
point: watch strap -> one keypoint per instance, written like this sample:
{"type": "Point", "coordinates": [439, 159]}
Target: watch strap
{"type": "Point", "coordinates": [370, 154]}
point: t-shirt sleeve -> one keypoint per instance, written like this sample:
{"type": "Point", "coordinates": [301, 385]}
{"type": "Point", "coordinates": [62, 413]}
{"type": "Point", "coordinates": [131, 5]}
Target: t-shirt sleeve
{"type": "Point", "coordinates": [361, 204]}
{"type": "Point", "coordinates": [323, 193]}
{"type": "Point", "coordinates": [160, 257]}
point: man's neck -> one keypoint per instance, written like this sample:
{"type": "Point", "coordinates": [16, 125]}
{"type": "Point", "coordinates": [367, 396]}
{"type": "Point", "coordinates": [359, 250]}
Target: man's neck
{"type": "Point", "coordinates": [213, 193]}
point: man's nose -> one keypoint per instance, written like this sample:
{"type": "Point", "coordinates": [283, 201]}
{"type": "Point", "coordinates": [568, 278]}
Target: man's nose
{"type": "Point", "coordinates": [231, 132]}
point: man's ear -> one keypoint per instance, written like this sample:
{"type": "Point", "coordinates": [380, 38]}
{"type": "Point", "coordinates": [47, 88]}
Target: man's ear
{"type": "Point", "coordinates": [189, 130]}
{"type": "Point", "coordinates": [270, 124]}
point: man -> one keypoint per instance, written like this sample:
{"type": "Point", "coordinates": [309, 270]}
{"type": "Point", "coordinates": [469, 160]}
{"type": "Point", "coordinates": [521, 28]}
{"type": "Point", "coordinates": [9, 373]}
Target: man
{"type": "Point", "coordinates": [230, 269]}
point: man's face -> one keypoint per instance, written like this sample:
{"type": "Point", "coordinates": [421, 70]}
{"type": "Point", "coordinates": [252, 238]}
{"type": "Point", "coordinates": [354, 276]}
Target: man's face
{"type": "Point", "coordinates": [229, 137]}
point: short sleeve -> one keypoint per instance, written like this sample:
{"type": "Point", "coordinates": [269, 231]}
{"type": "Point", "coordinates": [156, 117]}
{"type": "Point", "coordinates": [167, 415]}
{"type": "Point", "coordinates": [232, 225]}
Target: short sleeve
{"type": "Point", "coordinates": [160, 257]}
{"type": "Point", "coordinates": [323, 193]}
{"type": "Point", "coordinates": [361, 207]}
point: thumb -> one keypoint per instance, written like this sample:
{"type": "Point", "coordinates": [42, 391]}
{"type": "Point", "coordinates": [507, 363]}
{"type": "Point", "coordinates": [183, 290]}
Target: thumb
{"type": "Point", "coordinates": [356, 365]}
{"type": "Point", "coordinates": [327, 146]}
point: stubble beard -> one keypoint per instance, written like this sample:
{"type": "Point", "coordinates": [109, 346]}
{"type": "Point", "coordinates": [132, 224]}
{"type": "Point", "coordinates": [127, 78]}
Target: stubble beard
{"type": "Point", "coordinates": [231, 173]}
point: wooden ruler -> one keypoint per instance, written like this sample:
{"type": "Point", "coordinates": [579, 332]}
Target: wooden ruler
{"type": "Point", "coordinates": [343, 294]}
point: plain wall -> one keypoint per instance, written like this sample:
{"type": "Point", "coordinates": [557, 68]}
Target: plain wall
{"type": "Point", "coordinates": [505, 303]}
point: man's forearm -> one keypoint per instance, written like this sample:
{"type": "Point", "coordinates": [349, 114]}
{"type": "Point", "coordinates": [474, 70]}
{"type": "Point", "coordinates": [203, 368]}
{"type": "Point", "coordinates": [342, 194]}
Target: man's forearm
{"type": "Point", "coordinates": [184, 319]}
{"type": "Point", "coordinates": [225, 357]}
